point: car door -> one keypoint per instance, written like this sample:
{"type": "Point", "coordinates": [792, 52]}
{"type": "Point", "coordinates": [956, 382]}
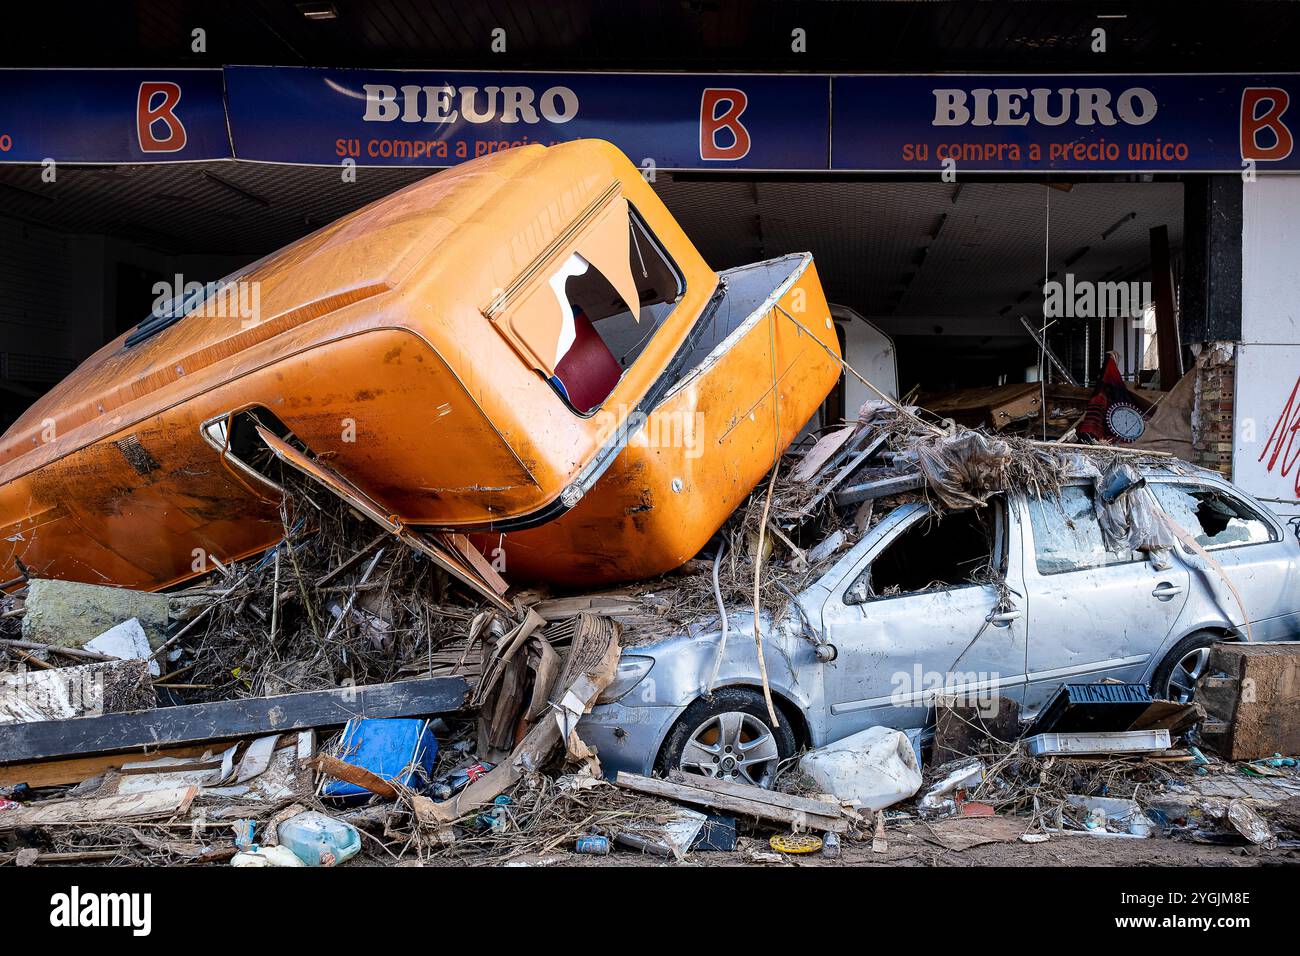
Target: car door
{"type": "Point", "coordinates": [1093, 613]}
{"type": "Point", "coordinates": [898, 647]}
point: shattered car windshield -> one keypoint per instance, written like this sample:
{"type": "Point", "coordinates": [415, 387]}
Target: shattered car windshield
{"type": "Point", "coordinates": [1214, 519]}
{"type": "Point", "coordinates": [1067, 534]}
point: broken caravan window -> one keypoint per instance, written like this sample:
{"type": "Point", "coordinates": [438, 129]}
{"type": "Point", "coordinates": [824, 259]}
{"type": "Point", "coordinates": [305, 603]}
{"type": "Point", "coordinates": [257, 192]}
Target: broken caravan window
{"type": "Point", "coordinates": [937, 553]}
{"type": "Point", "coordinates": [1214, 518]}
{"type": "Point", "coordinates": [234, 436]}
{"type": "Point", "coordinates": [1067, 534]}
{"type": "Point", "coordinates": [578, 327]}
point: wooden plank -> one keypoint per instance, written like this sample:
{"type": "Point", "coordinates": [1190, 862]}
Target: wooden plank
{"type": "Point", "coordinates": [559, 609]}
{"type": "Point", "coordinates": [53, 773]}
{"type": "Point", "coordinates": [879, 488]}
{"type": "Point", "coordinates": [130, 806]}
{"type": "Point", "coordinates": [350, 773]}
{"type": "Point", "coordinates": [867, 451]}
{"type": "Point", "coordinates": [223, 720]}
{"type": "Point", "coordinates": [744, 806]}
{"type": "Point", "coordinates": [788, 801]}
{"type": "Point", "coordinates": [821, 452]}
{"type": "Point", "coordinates": [462, 546]}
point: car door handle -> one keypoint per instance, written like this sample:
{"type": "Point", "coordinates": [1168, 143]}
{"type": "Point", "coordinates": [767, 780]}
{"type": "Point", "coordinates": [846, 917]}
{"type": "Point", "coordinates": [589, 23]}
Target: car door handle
{"type": "Point", "coordinates": [1164, 590]}
{"type": "Point", "coordinates": [1003, 618]}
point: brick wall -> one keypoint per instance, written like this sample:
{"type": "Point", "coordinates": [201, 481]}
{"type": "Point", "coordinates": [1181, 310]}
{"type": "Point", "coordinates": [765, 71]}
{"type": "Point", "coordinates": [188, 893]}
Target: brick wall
{"type": "Point", "coordinates": [1212, 413]}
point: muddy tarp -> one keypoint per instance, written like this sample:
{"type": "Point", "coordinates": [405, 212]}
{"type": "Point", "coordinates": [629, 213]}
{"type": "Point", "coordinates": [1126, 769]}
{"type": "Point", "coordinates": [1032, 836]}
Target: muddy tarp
{"type": "Point", "coordinates": [1130, 518]}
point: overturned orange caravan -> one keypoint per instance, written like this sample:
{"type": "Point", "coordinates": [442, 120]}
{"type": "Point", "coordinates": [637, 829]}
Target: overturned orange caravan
{"type": "Point", "coordinates": [496, 350]}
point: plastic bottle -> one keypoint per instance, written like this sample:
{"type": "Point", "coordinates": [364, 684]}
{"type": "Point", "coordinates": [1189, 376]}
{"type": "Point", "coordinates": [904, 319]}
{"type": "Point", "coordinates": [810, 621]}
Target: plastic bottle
{"type": "Point", "coordinates": [259, 856]}
{"type": "Point", "coordinates": [318, 839]}
{"type": "Point", "coordinates": [459, 779]}
{"type": "Point", "coordinates": [245, 831]}
{"type": "Point", "coordinates": [497, 819]}
{"type": "Point", "coordinates": [594, 844]}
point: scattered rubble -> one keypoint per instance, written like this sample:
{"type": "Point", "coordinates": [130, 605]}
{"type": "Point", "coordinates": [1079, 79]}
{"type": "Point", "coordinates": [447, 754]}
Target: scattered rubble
{"type": "Point", "coordinates": [344, 696]}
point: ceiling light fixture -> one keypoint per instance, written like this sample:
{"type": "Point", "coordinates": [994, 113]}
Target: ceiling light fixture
{"type": "Point", "coordinates": [318, 11]}
{"type": "Point", "coordinates": [1115, 227]}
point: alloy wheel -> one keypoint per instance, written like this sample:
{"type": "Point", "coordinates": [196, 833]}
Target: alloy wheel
{"type": "Point", "coordinates": [733, 746]}
{"type": "Point", "coordinates": [1182, 680]}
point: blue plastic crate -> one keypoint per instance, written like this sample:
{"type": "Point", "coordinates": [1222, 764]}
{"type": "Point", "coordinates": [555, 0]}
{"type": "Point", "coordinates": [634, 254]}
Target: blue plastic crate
{"type": "Point", "coordinates": [398, 750]}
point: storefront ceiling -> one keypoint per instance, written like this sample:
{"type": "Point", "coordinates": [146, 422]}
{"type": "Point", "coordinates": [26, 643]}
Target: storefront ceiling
{"type": "Point", "coordinates": [706, 35]}
{"type": "Point", "coordinates": [216, 207]}
{"type": "Point", "coordinates": [929, 250]}
{"type": "Point", "coordinates": [920, 255]}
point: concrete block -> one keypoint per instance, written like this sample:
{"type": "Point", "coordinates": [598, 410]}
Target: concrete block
{"type": "Point", "coordinates": [1251, 694]}
{"type": "Point", "coordinates": [70, 614]}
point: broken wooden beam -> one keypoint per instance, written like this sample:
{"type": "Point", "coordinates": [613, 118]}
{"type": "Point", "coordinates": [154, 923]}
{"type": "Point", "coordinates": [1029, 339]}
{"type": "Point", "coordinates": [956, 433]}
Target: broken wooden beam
{"type": "Point", "coordinates": [110, 809]}
{"type": "Point", "coordinates": [822, 452]}
{"type": "Point", "coordinates": [228, 719]}
{"type": "Point", "coordinates": [870, 448]}
{"type": "Point", "coordinates": [880, 488]}
{"type": "Point", "coordinates": [76, 653]}
{"type": "Point", "coordinates": [53, 773]}
{"type": "Point", "coordinates": [819, 805]}
{"type": "Point", "coordinates": [350, 773]}
{"type": "Point", "coordinates": [742, 800]}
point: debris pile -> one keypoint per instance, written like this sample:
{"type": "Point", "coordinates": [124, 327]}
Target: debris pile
{"type": "Point", "coordinates": [360, 692]}
{"type": "Point", "coordinates": [825, 495]}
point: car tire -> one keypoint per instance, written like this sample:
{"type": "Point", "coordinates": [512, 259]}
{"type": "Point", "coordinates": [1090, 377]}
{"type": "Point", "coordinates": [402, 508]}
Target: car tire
{"type": "Point", "coordinates": [728, 736]}
{"type": "Point", "coordinates": [1183, 665]}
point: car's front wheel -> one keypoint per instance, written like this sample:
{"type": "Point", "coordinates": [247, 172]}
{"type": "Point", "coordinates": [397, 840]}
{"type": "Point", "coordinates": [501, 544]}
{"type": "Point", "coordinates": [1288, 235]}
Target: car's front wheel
{"type": "Point", "coordinates": [1175, 679]}
{"type": "Point", "coordinates": [728, 736]}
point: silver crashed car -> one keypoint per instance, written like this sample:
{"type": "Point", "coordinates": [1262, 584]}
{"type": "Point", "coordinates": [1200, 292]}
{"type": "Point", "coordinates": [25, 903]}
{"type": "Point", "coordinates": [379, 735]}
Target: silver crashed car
{"type": "Point", "coordinates": [1010, 600]}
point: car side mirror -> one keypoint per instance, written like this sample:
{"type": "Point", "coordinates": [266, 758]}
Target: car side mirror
{"type": "Point", "coordinates": [857, 592]}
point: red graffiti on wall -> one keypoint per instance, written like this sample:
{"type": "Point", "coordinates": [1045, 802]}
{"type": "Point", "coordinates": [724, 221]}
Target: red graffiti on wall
{"type": "Point", "coordinates": [1282, 439]}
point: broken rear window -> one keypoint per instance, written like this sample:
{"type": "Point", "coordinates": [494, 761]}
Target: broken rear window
{"type": "Point", "coordinates": [1067, 535]}
{"type": "Point", "coordinates": [593, 315]}
{"type": "Point", "coordinates": [934, 554]}
{"type": "Point", "coordinates": [1214, 518]}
